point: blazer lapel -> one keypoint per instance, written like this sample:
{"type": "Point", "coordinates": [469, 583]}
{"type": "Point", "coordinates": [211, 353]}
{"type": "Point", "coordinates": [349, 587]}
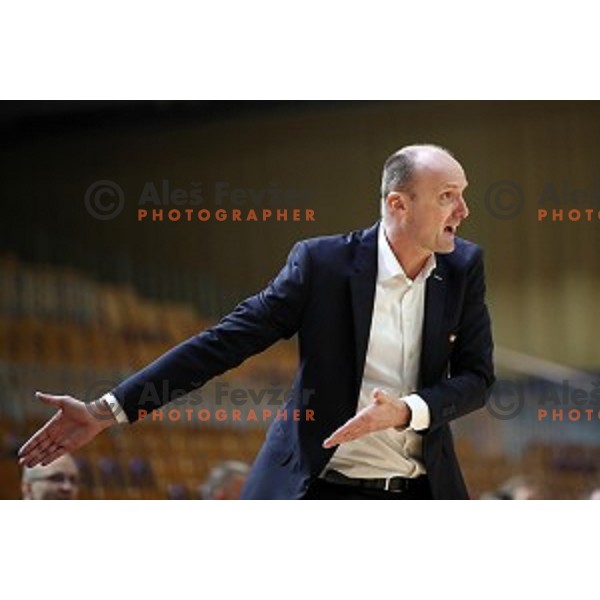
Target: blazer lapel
{"type": "Point", "coordinates": [435, 302]}
{"type": "Point", "coordinates": [362, 287]}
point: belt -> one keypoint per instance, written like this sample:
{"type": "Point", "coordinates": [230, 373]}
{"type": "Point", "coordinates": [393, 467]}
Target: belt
{"type": "Point", "coordinates": [399, 485]}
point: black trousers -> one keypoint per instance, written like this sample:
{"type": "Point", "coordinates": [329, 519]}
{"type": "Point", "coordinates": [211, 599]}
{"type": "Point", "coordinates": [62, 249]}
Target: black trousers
{"type": "Point", "coordinates": [324, 490]}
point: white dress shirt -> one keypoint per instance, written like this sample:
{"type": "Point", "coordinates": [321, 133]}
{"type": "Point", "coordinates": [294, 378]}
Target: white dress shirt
{"type": "Point", "coordinates": [392, 363]}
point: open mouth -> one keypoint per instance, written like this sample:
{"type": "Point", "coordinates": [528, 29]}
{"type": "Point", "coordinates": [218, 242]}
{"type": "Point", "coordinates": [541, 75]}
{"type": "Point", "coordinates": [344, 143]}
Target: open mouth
{"type": "Point", "coordinates": [450, 229]}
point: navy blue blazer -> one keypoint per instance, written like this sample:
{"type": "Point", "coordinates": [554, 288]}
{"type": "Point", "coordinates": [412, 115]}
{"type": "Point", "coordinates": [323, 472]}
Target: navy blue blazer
{"type": "Point", "coordinates": [325, 294]}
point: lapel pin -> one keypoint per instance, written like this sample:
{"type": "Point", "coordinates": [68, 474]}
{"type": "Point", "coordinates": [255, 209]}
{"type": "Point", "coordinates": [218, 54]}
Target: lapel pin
{"type": "Point", "coordinates": [452, 338]}
{"type": "Point", "coordinates": [435, 276]}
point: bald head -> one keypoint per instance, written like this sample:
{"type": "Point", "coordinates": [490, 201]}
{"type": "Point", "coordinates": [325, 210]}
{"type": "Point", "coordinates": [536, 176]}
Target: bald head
{"type": "Point", "coordinates": [56, 481]}
{"type": "Point", "coordinates": [402, 167]}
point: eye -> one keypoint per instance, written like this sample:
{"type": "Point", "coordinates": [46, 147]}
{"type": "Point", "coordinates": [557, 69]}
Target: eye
{"type": "Point", "coordinates": [447, 197]}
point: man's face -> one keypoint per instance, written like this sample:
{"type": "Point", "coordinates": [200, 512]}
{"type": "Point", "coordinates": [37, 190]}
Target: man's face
{"type": "Point", "coordinates": [57, 481]}
{"type": "Point", "coordinates": [437, 206]}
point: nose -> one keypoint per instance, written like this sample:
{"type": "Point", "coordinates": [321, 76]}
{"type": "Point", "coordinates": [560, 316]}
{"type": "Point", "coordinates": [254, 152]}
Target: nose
{"type": "Point", "coordinates": [462, 210]}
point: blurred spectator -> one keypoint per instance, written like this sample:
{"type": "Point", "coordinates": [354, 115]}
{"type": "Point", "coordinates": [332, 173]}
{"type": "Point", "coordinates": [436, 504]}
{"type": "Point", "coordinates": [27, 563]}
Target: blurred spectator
{"type": "Point", "coordinates": [86, 473]}
{"type": "Point", "coordinates": [56, 481]}
{"type": "Point", "coordinates": [573, 458]}
{"type": "Point", "coordinates": [140, 472]}
{"type": "Point", "coordinates": [177, 491]}
{"type": "Point", "coordinates": [522, 487]}
{"type": "Point", "coordinates": [111, 473]}
{"type": "Point", "coordinates": [225, 481]}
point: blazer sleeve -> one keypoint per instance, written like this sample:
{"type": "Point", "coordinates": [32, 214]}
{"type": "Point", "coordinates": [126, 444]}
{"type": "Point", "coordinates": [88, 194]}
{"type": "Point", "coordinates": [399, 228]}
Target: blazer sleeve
{"type": "Point", "coordinates": [255, 324]}
{"type": "Point", "coordinates": [471, 370]}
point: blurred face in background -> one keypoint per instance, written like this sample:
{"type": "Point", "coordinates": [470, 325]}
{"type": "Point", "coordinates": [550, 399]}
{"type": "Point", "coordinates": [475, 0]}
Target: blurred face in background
{"type": "Point", "coordinates": [57, 481]}
{"type": "Point", "coordinates": [528, 492]}
{"type": "Point", "coordinates": [233, 489]}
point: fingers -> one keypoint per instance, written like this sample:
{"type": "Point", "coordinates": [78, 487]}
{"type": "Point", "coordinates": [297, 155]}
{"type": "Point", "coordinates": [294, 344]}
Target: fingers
{"type": "Point", "coordinates": [50, 399]}
{"type": "Point", "coordinates": [351, 430]}
{"type": "Point", "coordinates": [380, 415]}
{"type": "Point", "coordinates": [34, 455]}
{"type": "Point", "coordinates": [54, 442]}
{"type": "Point", "coordinates": [336, 439]}
{"type": "Point", "coordinates": [38, 437]}
{"type": "Point", "coordinates": [36, 448]}
{"type": "Point", "coordinates": [379, 396]}
{"type": "Point", "coordinates": [44, 442]}
{"type": "Point", "coordinates": [37, 443]}
{"type": "Point", "coordinates": [56, 451]}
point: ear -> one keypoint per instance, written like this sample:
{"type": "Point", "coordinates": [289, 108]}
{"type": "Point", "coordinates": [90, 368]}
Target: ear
{"type": "Point", "coordinates": [396, 201]}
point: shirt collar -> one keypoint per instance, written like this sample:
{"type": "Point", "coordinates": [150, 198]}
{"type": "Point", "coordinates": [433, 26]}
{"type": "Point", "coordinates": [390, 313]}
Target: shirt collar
{"type": "Point", "coordinates": [388, 266]}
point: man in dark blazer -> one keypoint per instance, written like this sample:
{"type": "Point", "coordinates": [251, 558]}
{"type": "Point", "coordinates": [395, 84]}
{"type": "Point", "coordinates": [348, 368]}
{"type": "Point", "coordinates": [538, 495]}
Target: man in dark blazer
{"type": "Point", "coordinates": [395, 343]}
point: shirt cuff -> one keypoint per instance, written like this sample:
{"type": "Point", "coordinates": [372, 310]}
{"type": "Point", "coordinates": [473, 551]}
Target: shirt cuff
{"type": "Point", "coordinates": [115, 407]}
{"type": "Point", "coordinates": [420, 412]}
